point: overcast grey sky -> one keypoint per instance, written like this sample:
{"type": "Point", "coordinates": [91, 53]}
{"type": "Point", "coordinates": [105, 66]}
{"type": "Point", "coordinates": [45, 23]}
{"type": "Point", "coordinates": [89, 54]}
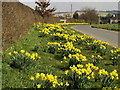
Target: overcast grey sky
{"type": "Point", "coordinates": [78, 4]}
{"type": "Point", "coordinates": [75, 0]}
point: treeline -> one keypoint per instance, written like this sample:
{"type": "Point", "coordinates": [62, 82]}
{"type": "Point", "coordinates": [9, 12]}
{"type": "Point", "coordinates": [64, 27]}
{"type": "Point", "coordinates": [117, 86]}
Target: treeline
{"type": "Point", "coordinates": [88, 15]}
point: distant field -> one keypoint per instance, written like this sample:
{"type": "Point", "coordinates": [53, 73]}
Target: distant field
{"type": "Point", "coordinates": [113, 27]}
{"type": "Point", "coordinates": [102, 13]}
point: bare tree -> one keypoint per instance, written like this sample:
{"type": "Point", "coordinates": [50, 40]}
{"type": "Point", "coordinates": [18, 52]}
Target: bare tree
{"type": "Point", "coordinates": [89, 15]}
{"type": "Point", "coordinates": [41, 8]}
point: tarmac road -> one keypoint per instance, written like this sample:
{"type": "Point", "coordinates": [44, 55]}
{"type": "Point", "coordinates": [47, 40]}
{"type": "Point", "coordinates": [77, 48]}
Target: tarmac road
{"type": "Point", "coordinates": [100, 34]}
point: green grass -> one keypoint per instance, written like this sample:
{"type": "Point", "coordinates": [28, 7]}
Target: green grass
{"type": "Point", "coordinates": [113, 27]}
{"type": "Point", "coordinates": [102, 13]}
{"type": "Point", "coordinates": [47, 64]}
{"type": "Point", "coordinates": [15, 78]}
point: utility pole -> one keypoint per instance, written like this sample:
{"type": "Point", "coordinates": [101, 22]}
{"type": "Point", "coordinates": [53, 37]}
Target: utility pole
{"type": "Point", "coordinates": [71, 11]}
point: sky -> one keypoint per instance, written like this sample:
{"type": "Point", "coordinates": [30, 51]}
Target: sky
{"type": "Point", "coordinates": [75, 0]}
{"type": "Point", "coordinates": [65, 5]}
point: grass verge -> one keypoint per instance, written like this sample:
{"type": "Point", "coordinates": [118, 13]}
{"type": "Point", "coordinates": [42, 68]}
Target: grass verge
{"type": "Point", "coordinates": [113, 27]}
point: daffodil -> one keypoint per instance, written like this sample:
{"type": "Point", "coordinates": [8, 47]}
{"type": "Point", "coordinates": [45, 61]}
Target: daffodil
{"type": "Point", "coordinates": [79, 65]}
{"type": "Point", "coordinates": [37, 75]}
{"type": "Point", "coordinates": [88, 77]}
{"type": "Point", "coordinates": [65, 57]}
{"type": "Point", "coordinates": [32, 78]}
{"type": "Point", "coordinates": [15, 52]}
{"type": "Point", "coordinates": [22, 51]}
{"type": "Point", "coordinates": [61, 83]}
{"type": "Point", "coordinates": [66, 72]}
{"type": "Point", "coordinates": [27, 54]}
{"type": "Point", "coordinates": [67, 84]}
{"type": "Point", "coordinates": [38, 86]}
{"type": "Point", "coordinates": [10, 53]}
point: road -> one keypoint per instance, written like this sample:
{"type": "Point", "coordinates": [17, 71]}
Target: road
{"type": "Point", "coordinates": [100, 34]}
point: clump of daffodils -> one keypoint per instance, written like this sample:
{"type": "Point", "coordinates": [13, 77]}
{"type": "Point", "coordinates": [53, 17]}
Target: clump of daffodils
{"type": "Point", "coordinates": [107, 79]}
{"type": "Point", "coordinates": [76, 59]}
{"type": "Point", "coordinates": [68, 48]}
{"type": "Point", "coordinates": [87, 73]}
{"type": "Point", "coordinates": [80, 74]}
{"type": "Point", "coordinates": [47, 81]}
{"type": "Point", "coordinates": [45, 31]}
{"type": "Point", "coordinates": [21, 59]}
{"type": "Point", "coordinates": [115, 56]}
{"type": "Point", "coordinates": [96, 59]}
{"type": "Point", "coordinates": [64, 47]}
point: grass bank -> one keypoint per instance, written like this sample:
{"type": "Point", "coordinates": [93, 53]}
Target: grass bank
{"type": "Point", "coordinates": [113, 27]}
{"type": "Point", "coordinates": [55, 59]}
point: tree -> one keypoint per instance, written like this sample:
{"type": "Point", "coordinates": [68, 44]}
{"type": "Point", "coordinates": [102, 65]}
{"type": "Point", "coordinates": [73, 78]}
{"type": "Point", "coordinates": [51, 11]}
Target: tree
{"type": "Point", "coordinates": [108, 17]}
{"type": "Point", "coordinates": [75, 15]}
{"type": "Point", "coordinates": [89, 15]}
{"type": "Point", "coordinates": [41, 8]}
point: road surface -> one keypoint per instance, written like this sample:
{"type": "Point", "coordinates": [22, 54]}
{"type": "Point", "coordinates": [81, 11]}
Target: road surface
{"type": "Point", "coordinates": [100, 34]}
